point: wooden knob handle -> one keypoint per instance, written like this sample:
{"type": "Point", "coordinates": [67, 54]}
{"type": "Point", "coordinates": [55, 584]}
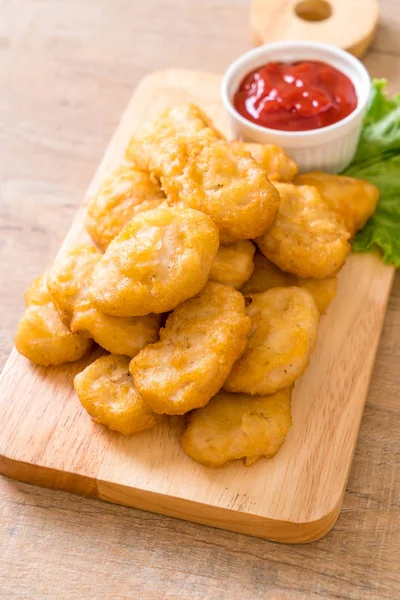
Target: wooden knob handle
{"type": "Point", "coordinates": [349, 24]}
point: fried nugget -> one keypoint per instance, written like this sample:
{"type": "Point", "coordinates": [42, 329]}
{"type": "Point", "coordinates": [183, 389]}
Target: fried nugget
{"type": "Point", "coordinates": [107, 392]}
{"type": "Point", "coordinates": [161, 258]}
{"type": "Point", "coordinates": [123, 195]}
{"type": "Point", "coordinates": [38, 292]}
{"type": "Point", "coordinates": [266, 275]}
{"type": "Point", "coordinates": [233, 264]}
{"type": "Point", "coordinates": [122, 335]}
{"type": "Point", "coordinates": [308, 238]}
{"type": "Point", "coordinates": [184, 120]}
{"type": "Point", "coordinates": [68, 276]}
{"type": "Point", "coordinates": [41, 336]}
{"type": "Point", "coordinates": [225, 183]}
{"type": "Point", "coordinates": [353, 199]}
{"type": "Point", "coordinates": [234, 426]}
{"type": "Point", "coordinates": [277, 164]}
{"type": "Point", "coordinates": [69, 285]}
{"type": "Point", "coordinates": [198, 169]}
{"type": "Point", "coordinates": [323, 290]}
{"type": "Point", "coordinates": [283, 335]}
{"type": "Point", "coordinates": [187, 120]}
{"type": "Point", "coordinates": [201, 340]}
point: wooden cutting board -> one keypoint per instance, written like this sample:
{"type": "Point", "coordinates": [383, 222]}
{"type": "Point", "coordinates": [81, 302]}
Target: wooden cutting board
{"type": "Point", "coordinates": [46, 437]}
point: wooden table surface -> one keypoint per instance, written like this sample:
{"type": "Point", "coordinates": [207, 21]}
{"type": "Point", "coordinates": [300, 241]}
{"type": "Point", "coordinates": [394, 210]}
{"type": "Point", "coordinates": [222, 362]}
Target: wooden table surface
{"type": "Point", "coordinates": [68, 68]}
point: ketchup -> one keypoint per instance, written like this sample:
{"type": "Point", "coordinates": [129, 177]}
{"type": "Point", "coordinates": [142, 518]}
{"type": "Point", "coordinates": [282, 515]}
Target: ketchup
{"type": "Point", "coordinates": [296, 96]}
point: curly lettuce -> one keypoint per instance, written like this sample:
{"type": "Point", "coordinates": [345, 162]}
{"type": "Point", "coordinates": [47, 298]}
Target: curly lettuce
{"type": "Point", "coordinates": [378, 160]}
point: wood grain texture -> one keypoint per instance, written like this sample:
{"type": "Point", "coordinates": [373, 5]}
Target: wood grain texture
{"type": "Point", "coordinates": [294, 497]}
{"type": "Point", "coordinates": [81, 66]}
{"type": "Point", "coordinates": [349, 24]}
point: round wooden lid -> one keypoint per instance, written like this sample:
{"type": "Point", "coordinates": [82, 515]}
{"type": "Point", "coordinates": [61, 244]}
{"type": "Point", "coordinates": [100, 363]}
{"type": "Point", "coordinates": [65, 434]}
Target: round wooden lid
{"type": "Point", "coordinates": [348, 24]}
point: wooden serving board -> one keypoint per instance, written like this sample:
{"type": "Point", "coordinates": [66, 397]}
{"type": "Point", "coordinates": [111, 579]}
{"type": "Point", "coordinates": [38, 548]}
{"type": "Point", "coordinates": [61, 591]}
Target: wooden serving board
{"type": "Point", "coordinates": [46, 437]}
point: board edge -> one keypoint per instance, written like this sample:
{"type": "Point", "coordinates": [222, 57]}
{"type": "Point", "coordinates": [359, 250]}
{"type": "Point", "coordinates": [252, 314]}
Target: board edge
{"type": "Point", "coordinates": [188, 510]}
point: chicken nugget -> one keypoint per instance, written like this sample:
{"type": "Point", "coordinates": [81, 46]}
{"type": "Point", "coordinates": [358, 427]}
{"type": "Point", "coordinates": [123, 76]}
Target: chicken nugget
{"type": "Point", "coordinates": [122, 335]}
{"type": "Point", "coordinates": [69, 284]}
{"type": "Point", "coordinates": [187, 120]}
{"type": "Point", "coordinates": [107, 392]}
{"type": "Point", "coordinates": [198, 169]}
{"type": "Point", "coordinates": [234, 263]}
{"type": "Point", "coordinates": [283, 335]}
{"type": "Point", "coordinates": [234, 426]}
{"type": "Point", "coordinates": [201, 340]}
{"type": "Point", "coordinates": [44, 340]}
{"type": "Point", "coordinates": [67, 277]}
{"type": "Point", "coordinates": [277, 164]}
{"type": "Point", "coordinates": [41, 336]}
{"type": "Point", "coordinates": [223, 182]}
{"type": "Point", "coordinates": [266, 275]}
{"type": "Point", "coordinates": [161, 258]}
{"type": "Point", "coordinates": [38, 292]}
{"type": "Point", "coordinates": [308, 238]}
{"type": "Point", "coordinates": [123, 195]}
{"type": "Point", "coordinates": [353, 199]}
{"type": "Point", "coordinates": [323, 290]}
{"type": "Point", "coordinates": [184, 120]}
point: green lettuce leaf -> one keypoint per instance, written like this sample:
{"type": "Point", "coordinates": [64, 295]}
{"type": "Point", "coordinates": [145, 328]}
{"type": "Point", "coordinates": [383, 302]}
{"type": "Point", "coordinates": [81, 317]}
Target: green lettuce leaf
{"type": "Point", "coordinates": [378, 160]}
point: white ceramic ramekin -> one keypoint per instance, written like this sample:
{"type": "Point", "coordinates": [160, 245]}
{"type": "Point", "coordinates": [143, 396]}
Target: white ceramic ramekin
{"type": "Point", "coordinates": [327, 149]}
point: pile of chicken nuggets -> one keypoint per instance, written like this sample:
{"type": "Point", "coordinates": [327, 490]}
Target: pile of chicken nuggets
{"type": "Point", "coordinates": [211, 264]}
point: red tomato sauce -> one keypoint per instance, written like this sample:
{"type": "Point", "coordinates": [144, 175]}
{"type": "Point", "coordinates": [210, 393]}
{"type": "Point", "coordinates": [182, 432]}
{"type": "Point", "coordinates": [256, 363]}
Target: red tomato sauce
{"type": "Point", "coordinates": [295, 97]}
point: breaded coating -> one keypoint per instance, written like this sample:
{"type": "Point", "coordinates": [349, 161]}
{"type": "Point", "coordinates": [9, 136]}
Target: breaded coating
{"type": "Point", "coordinates": [266, 275]}
{"type": "Point", "coordinates": [277, 164]}
{"type": "Point", "coordinates": [69, 284]}
{"type": "Point", "coordinates": [160, 259]}
{"type": "Point", "coordinates": [122, 335]}
{"type": "Point", "coordinates": [323, 290]}
{"type": "Point", "coordinates": [187, 120]}
{"type": "Point", "coordinates": [353, 199]}
{"type": "Point", "coordinates": [107, 392]}
{"type": "Point", "coordinates": [225, 183]}
{"type": "Point", "coordinates": [198, 169]}
{"type": "Point", "coordinates": [44, 340]}
{"type": "Point", "coordinates": [41, 336]}
{"type": "Point", "coordinates": [123, 195]}
{"type": "Point", "coordinates": [38, 292]}
{"type": "Point", "coordinates": [234, 426]}
{"type": "Point", "coordinates": [184, 120]}
{"type": "Point", "coordinates": [68, 276]}
{"type": "Point", "coordinates": [308, 238]}
{"type": "Point", "coordinates": [283, 335]}
{"type": "Point", "coordinates": [201, 340]}
{"type": "Point", "coordinates": [234, 263]}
